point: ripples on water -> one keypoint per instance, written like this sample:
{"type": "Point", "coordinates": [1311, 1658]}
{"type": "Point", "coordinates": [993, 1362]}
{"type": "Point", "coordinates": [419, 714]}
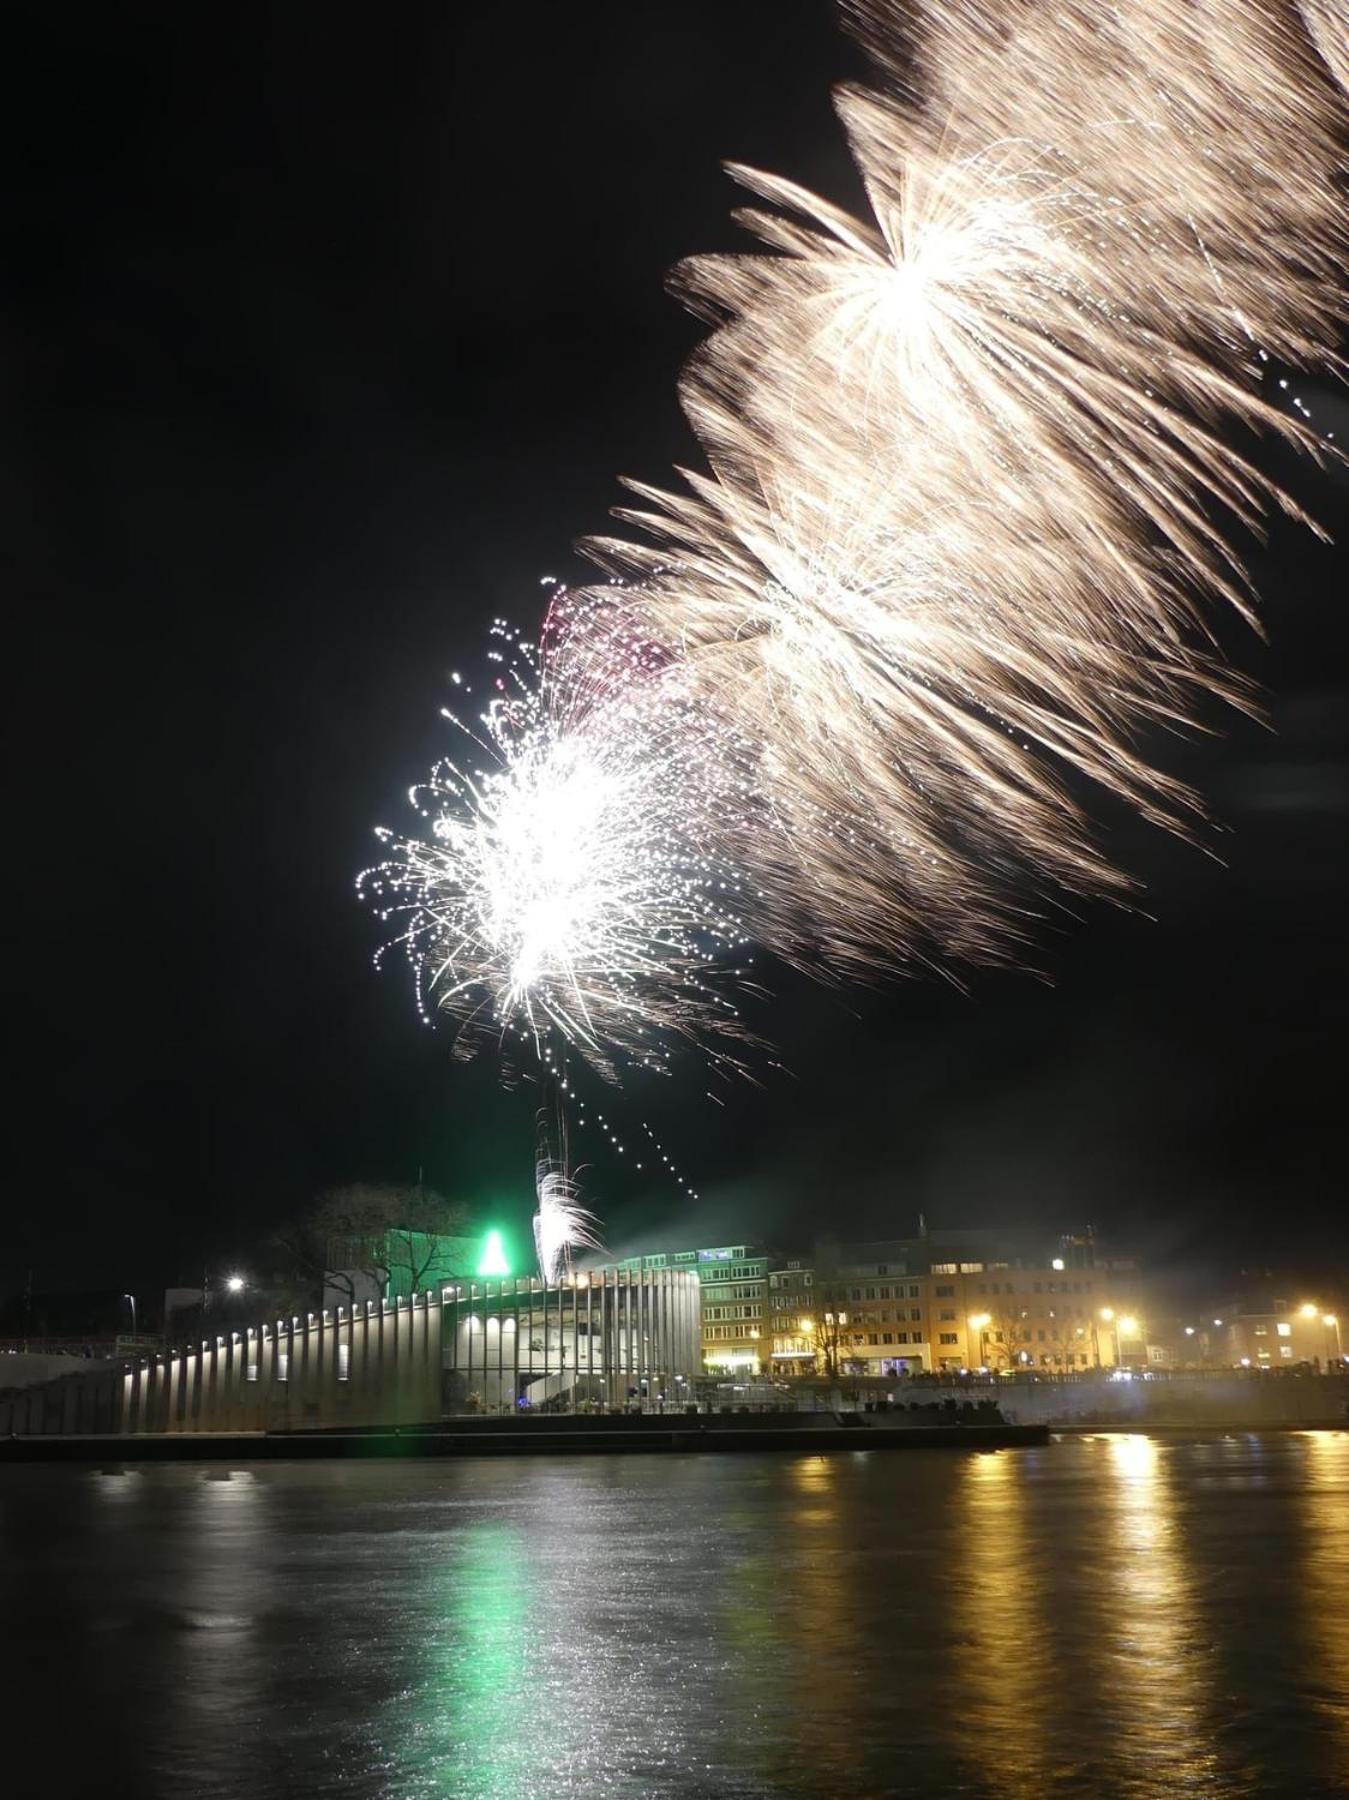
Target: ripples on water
{"type": "Point", "coordinates": [1109, 1616]}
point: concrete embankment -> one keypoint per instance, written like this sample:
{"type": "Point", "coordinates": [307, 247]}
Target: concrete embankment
{"type": "Point", "coordinates": [511, 1438]}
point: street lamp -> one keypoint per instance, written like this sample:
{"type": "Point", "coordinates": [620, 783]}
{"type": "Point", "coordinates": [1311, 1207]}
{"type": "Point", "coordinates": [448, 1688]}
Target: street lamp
{"type": "Point", "coordinates": [234, 1284]}
{"type": "Point", "coordinates": [980, 1323]}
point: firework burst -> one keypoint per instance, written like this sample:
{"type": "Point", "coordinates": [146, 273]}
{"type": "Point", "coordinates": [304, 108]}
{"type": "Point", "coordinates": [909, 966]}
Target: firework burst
{"type": "Point", "coordinates": [573, 884]}
{"type": "Point", "coordinates": [967, 488]}
{"type": "Point", "coordinates": [974, 459]}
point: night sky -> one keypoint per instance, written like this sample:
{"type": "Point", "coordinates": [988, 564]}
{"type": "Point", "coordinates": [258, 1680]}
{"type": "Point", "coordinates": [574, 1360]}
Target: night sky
{"type": "Point", "coordinates": [323, 339]}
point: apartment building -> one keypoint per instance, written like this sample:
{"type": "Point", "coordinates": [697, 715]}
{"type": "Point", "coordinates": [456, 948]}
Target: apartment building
{"type": "Point", "coordinates": [733, 1282]}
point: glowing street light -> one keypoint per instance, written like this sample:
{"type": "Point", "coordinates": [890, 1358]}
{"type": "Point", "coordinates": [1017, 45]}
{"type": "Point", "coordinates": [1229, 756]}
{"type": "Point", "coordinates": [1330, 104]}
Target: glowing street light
{"type": "Point", "coordinates": [806, 1326]}
{"type": "Point", "coordinates": [1308, 1310]}
{"type": "Point", "coordinates": [980, 1322]}
{"type": "Point", "coordinates": [234, 1284]}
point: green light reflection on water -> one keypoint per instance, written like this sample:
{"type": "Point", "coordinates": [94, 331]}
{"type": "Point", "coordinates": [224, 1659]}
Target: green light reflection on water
{"type": "Point", "coordinates": [473, 1716]}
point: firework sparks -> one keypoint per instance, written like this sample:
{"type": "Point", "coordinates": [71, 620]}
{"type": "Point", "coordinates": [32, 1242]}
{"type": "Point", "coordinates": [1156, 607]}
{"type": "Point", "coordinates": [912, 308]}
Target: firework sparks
{"type": "Point", "coordinates": [966, 475]}
{"type": "Point", "coordinates": [972, 465]}
{"type": "Point", "coordinates": [573, 886]}
{"type": "Point", "coordinates": [561, 1224]}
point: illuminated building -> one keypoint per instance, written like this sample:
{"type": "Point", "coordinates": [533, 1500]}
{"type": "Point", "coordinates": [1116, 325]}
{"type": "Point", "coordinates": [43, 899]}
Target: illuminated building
{"type": "Point", "coordinates": [735, 1312]}
{"type": "Point", "coordinates": [598, 1339]}
{"type": "Point", "coordinates": [1267, 1331]}
{"type": "Point", "coordinates": [608, 1339]}
{"type": "Point", "coordinates": [793, 1330]}
{"type": "Point", "coordinates": [956, 1300]}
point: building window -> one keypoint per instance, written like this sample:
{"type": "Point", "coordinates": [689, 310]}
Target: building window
{"type": "Point", "coordinates": [946, 1314]}
{"type": "Point", "coordinates": [943, 1268]}
{"type": "Point", "coordinates": [1284, 1330]}
{"type": "Point", "coordinates": [946, 1293]}
{"type": "Point", "coordinates": [887, 1337]}
{"type": "Point", "coordinates": [903, 1336]}
{"type": "Point", "coordinates": [916, 1313]}
{"type": "Point", "coordinates": [948, 1337]}
{"type": "Point", "coordinates": [913, 1291]}
{"type": "Point", "coordinates": [872, 1338]}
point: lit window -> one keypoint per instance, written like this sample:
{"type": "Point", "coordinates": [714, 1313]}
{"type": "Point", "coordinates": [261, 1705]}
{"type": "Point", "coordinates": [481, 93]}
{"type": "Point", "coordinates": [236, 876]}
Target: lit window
{"type": "Point", "coordinates": [283, 1365]}
{"type": "Point", "coordinates": [948, 1337]}
{"type": "Point", "coordinates": [252, 1371]}
{"type": "Point", "coordinates": [1284, 1330]}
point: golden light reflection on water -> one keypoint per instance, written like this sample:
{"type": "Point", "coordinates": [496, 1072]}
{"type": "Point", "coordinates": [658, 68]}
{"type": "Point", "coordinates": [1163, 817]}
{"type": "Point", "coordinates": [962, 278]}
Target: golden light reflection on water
{"type": "Point", "coordinates": [1002, 1660]}
{"type": "Point", "coordinates": [1157, 1659]}
{"type": "Point", "coordinates": [1324, 1590]}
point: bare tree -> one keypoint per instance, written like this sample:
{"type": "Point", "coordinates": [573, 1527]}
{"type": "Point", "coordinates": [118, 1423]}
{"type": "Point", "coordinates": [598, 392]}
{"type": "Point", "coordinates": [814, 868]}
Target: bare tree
{"type": "Point", "coordinates": [831, 1335]}
{"type": "Point", "coordinates": [1002, 1337]}
{"type": "Point", "coordinates": [378, 1234]}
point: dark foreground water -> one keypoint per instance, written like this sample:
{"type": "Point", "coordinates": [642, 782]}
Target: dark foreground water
{"type": "Point", "coordinates": [1110, 1615]}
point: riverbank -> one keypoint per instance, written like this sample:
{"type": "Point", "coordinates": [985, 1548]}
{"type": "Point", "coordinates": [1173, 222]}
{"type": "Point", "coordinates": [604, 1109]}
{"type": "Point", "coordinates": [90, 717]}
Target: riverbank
{"type": "Point", "coordinates": [510, 1437]}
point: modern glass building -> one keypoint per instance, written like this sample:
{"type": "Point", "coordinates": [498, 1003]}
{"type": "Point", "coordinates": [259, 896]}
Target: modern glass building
{"type": "Point", "coordinates": [606, 1338]}
{"type": "Point", "coordinates": [609, 1339]}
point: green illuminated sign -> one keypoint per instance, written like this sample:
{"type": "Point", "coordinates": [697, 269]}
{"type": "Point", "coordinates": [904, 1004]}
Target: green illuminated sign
{"type": "Point", "coordinates": [493, 1260]}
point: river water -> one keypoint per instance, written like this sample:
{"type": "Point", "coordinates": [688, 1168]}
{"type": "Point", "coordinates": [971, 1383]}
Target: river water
{"type": "Point", "coordinates": [1112, 1615]}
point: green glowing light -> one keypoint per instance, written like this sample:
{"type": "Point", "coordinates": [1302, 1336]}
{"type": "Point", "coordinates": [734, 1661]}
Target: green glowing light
{"type": "Point", "coordinates": [493, 1261]}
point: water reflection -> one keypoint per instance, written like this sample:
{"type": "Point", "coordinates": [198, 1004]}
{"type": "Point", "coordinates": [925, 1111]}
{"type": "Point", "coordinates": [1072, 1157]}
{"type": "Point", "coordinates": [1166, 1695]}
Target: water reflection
{"type": "Point", "coordinates": [1324, 1593]}
{"type": "Point", "coordinates": [1116, 1615]}
{"type": "Point", "coordinates": [1001, 1638]}
{"type": "Point", "coordinates": [1154, 1650]}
